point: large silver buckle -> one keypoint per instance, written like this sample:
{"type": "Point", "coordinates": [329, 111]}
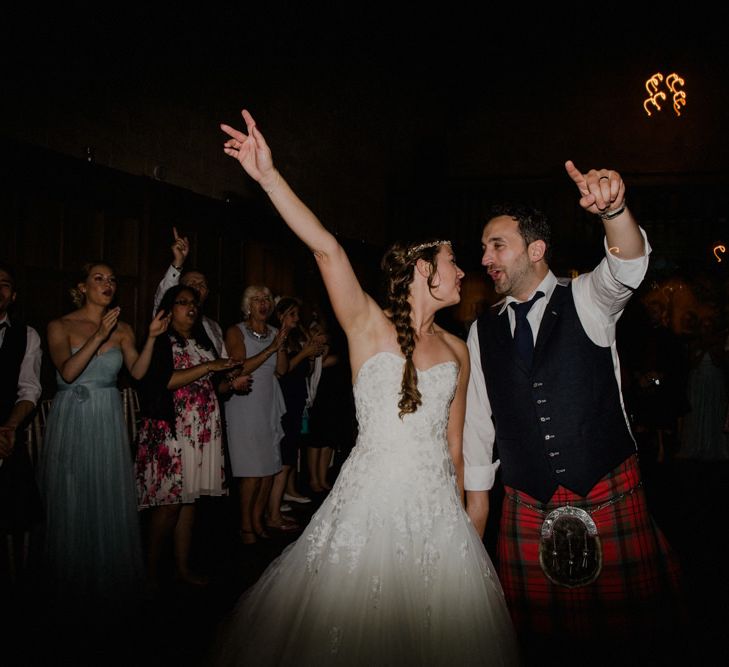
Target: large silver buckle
{"type": "Point", "coordinates": [570, 552]}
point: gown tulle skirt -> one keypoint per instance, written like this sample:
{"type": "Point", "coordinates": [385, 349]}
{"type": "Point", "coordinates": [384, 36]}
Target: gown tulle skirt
{"type": "Point", "coordinates": [390, 571]}
{"type": "Point", "coordinates": [92, 539]}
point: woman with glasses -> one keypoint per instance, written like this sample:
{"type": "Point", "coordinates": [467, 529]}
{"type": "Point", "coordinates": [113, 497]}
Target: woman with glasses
{"type": "Point", "coordinates": [180, 446]}
{"type": "Point", "coordinates": [253, 418]}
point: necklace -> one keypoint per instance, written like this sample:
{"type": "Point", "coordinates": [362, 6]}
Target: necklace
{"type": "Point", "coordinates": [259, 336]}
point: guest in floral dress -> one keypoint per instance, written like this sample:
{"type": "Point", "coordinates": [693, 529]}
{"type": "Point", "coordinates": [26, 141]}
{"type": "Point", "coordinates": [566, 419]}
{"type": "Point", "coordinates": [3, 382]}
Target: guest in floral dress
{"type": "Point", "coordinates": [180, 452]}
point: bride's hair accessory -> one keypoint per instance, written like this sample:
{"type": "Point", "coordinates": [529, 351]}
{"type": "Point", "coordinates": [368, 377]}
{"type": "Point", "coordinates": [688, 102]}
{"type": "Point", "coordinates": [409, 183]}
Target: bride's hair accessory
{"type": "Point", "coordinates": [428, 244]}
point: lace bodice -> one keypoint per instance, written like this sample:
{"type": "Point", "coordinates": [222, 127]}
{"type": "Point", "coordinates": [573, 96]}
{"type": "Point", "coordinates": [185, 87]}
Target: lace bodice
{"type": "Point", "coordinates": [399, 469]}
{"type": "Point", "coordinates": [376, 393]}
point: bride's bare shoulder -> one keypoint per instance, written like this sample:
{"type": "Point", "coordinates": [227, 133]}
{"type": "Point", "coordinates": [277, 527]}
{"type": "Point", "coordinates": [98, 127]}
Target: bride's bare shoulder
{"type": "Point", "coordinates": [456, 344]}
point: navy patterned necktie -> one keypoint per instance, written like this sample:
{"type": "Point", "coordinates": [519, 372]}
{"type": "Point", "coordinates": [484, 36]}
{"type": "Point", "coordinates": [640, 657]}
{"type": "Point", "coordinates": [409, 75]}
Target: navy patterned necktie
{"type": "Point", "coordinates": [523, 338]}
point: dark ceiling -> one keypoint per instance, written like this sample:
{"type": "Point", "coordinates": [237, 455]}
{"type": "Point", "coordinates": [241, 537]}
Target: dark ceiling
{"type": "Point", "coordinates": [361, 101]}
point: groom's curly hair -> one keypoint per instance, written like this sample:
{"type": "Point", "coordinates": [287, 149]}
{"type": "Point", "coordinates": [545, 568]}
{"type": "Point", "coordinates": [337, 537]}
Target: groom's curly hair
{"type": "Point", "coordinates": [399, 266]}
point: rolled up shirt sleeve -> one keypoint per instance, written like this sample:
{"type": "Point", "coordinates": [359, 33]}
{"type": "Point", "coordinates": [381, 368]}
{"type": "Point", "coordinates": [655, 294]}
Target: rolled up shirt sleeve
{"type": "Point", "coordinates": [29, 385]}
{"type": "Point", "coordinates": [629, 272]}
{"type": "Point", "coordinates": [601, 295]}
{"type": "Point", "coordinates": [170, 279]}
{"type": "Point", "coordinates": [478, 430]}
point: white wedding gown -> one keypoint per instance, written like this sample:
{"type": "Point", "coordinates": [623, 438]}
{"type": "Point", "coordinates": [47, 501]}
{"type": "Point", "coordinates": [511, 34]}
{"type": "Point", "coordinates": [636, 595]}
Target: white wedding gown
{"type": "Point", "coordinates": [390, 570]}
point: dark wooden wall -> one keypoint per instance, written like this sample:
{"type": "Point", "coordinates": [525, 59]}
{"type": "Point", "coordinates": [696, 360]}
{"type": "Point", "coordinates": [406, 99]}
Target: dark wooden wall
{"type": "Point", "coordinates": [59, 213]}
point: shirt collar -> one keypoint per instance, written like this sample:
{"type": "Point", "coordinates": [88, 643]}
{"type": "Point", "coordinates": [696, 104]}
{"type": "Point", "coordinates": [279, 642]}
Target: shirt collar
{"type": "Point", "coordinates": [5, 319]}
{"type": "Point", "coordinates": [547, 286]}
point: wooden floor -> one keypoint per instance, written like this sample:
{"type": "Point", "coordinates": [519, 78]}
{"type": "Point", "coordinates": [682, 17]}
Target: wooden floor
{"type": "Point", "coordinates": [178, 627]}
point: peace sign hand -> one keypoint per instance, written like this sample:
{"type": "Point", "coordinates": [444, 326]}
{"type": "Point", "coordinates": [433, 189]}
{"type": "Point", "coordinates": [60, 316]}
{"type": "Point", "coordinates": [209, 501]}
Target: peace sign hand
{"type": "Point", "coordinates": [251, 151]}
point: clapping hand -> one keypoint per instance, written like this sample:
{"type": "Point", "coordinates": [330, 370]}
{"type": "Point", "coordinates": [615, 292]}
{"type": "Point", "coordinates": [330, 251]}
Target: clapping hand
{"type": "Point", "coordinates": [280, 339]}
{"type": "Point", "coordinates": [316, 346]}
{"type": "Point", "coordinates": [239, 380]}
{"type": "Point", "coordinates": [602, 190]}
{"type": "Point", "coordinates": [159, 324]}
{"type": "Point", "coordinates": [242, 383]}
{"type": "Point", "coordinates": [108, 322]}
{"type": "Point", "coordinates": [251, 151]}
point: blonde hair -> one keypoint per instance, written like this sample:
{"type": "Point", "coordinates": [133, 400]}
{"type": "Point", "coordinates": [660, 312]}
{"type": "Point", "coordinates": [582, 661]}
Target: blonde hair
{"type": "Point", "coordinates": [77, 296]}
{"type": "Point", "coordinates": [248, 293]}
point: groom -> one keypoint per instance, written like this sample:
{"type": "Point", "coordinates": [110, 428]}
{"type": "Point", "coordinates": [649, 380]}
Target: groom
{"type": "Point", "coordinates": [579, 557]}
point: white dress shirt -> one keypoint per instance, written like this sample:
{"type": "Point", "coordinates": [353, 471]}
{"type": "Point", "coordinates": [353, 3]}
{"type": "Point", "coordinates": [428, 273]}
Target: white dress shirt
{"type": "Point", "coordinates": [212, 328]}
{"type": "Point", "coordinates": [29, 385]}
{"type": "Point", "coordinates": [600, 297]}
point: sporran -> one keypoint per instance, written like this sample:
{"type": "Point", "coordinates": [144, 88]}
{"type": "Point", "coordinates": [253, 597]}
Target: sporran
{"type": "Point", "coordinates": [570, 552]}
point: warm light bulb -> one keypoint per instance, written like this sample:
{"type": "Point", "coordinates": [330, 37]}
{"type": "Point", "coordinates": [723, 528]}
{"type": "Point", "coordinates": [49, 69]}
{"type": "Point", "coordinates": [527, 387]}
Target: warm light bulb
{"type": "Point", "coordinates": [651, 86]}
{"type": "Point", "coordinates": [674, 82]}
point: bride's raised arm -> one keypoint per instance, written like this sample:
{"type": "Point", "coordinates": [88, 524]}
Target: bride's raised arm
{"type": "Point", "coordinates": [352, 306]}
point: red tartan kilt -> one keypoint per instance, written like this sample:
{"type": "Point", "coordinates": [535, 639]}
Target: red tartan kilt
{"type": "Point", "coordinates": [639, 579]}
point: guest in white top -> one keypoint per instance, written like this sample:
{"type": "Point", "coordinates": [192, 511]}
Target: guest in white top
{"type": "Point", "coordinates": [194, 279]}
{"type": "Point", "coordinates": [20, 389]}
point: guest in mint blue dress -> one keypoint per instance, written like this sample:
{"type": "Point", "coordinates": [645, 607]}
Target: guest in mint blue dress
{"type": "Point", "coordinates": [92, 540]}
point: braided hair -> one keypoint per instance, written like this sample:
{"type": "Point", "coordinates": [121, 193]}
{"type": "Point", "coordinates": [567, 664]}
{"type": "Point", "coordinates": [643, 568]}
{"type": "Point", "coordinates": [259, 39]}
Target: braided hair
{"type": "Point", "coordinates": [399, 267]}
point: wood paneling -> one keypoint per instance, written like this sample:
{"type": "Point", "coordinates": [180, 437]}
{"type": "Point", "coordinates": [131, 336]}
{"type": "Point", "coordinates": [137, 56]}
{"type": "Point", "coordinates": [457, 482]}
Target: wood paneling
{"type": "Point", "coordinates": [82, 236]}
{"type": "Point", "coordinates": [40, 230]}
{"type": "Point", "coordinates": [122, 237]}
{"type": "Point", "coordinates": [82, 213]}
{"type": "Point", "coordinates": [60, 212]}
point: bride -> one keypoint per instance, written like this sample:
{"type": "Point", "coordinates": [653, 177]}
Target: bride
{"type": "Point", "coordinates": [390, 570]}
